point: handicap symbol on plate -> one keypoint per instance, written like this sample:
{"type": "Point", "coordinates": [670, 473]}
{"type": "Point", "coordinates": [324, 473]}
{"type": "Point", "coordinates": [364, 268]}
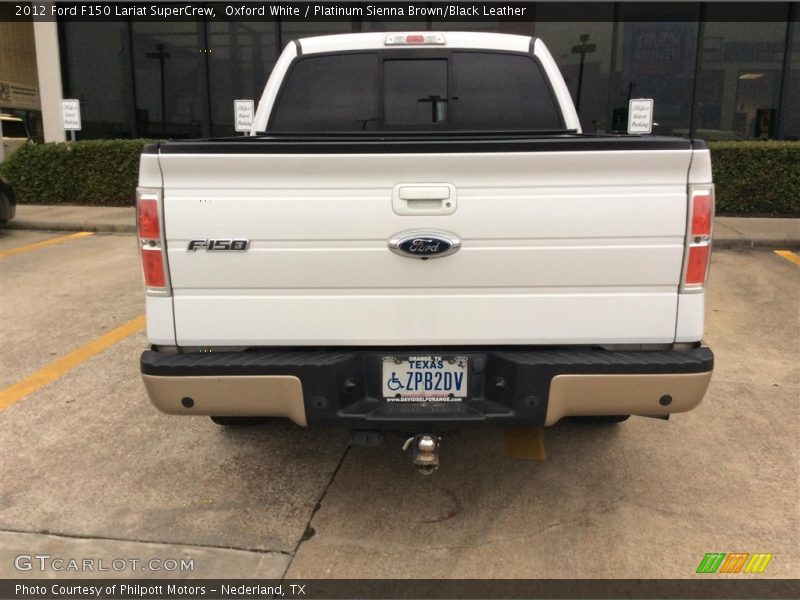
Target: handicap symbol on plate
{"type": "Point", "coordinates": [394, 383]}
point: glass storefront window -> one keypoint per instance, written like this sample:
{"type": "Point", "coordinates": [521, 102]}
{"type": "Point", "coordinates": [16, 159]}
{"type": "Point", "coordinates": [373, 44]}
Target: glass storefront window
{"type": "Point", "coordinates": [179, 80]}
{"type": "Point", "coordinates": [656, 59]}
{"type": "Point", "coordinates": [170, 73]}
{"type": "Point", "coordinates": [291, 30]}
{"type": "Point", "coordinates": [369, 25]}
{"type": "Point", "coordinates": [583, 53]}
{"type": "Point", "coordinates": [96, 63]}
{"type": "Point", "coordinates": [790, 107]}
{"type": "Point", "coordinates": [738, 83]}
{"type": "Point", "coordinates": [445, 25]}
{"type": "Point", "coordinates": [240, 59]}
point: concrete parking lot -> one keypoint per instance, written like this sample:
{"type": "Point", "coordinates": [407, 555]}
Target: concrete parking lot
{"type": "Point", "coordinates": [90, 469]}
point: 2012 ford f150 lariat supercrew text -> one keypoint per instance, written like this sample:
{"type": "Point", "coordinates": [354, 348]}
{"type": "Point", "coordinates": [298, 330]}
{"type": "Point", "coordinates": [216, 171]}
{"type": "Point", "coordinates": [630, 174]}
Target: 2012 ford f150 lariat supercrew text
{"type": "Point", "coordinates": [416, 237]}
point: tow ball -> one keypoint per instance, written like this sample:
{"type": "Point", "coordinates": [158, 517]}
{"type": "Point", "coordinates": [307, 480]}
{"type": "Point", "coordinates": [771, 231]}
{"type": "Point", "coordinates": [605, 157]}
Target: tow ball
{"type": "Point", "coordinates": [425, 452]}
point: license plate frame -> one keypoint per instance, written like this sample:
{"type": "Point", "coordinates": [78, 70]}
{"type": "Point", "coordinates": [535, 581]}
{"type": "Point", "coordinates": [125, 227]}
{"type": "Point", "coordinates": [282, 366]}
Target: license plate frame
{"type": "Point", "coordinates": [424, 378]}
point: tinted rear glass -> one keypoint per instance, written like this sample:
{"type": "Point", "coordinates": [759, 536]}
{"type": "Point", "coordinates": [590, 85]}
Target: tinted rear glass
{"type": "Point", "coordinates": [501, 91]}
{"type": "Point", "coordinates": [415, 92]}
{"type": "Point", "coordinates": [330, 93]}
{"type": "Point", "coordinates": [448, 91]}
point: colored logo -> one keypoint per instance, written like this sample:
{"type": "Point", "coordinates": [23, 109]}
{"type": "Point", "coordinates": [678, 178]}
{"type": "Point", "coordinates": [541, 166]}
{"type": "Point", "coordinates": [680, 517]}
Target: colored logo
{"type": "Point", "coordinates": [736, 562]}
{"type": "Point", "coordinates": [424, 244]}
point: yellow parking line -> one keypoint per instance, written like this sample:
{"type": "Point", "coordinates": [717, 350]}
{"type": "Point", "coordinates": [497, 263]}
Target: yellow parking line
{"type": "Point", "coordinates": [57, 368]}
{"type": "Point", "coordinates": [789, 255]}
{"type": "Point", "coordinates": [37, 245]}
{"type": "Point", "coordinates": [526, 443]}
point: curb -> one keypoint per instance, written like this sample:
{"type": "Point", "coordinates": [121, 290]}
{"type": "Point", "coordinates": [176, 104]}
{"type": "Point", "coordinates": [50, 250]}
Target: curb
{"type": "Point", "coordinates": [71, 226]}
{"type": "Point", "coordinates": [752, 244]}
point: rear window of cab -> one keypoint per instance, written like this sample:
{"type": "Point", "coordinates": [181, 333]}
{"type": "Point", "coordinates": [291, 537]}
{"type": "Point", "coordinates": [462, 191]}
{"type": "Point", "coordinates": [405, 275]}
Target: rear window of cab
{"type": "Point", "coordinates": [452, 91]}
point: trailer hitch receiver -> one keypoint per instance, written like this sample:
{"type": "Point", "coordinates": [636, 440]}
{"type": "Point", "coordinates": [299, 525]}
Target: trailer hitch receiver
{"type": "Point", "coordinates": [425, 452]}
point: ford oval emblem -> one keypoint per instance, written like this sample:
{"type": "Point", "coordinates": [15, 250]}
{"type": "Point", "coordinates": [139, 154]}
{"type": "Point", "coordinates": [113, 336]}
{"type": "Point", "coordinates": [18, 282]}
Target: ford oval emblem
{"type": "Point", "coordinates": [424, 244]}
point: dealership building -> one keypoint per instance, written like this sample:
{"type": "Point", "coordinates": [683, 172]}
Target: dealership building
{"type": "Point", "coordinates": [715, 71]}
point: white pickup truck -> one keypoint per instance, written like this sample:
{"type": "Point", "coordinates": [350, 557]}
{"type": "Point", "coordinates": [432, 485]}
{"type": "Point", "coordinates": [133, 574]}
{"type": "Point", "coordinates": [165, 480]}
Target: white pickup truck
{"type": "Point", "coordinates": [416, 236]}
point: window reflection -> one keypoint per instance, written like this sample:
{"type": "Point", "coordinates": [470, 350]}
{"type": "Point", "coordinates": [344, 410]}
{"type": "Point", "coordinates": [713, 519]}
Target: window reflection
{"type": "Point", "coordinates": [96, 61]}
{"type": "Point", "coordinates": [169, 67]}
{"type": "Point", "coordinates": [240, 59]}
{"type": "Point", "coordinates": [656, 61]}
{"type": "Point", "coordinates": [583, 53]}
{"type": "Point", "coordinates": [739, 78]}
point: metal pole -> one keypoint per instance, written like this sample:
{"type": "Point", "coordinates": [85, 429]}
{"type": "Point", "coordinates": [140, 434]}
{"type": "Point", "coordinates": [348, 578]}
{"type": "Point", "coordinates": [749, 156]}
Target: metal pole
{"type": "Point", "coordinates": [698, 64]}
{"type": "Point", "coordinates": [583, 49]}
{"type": "Point", "coordinates": [71, 135]}
{"type": "Point", "coordinates": [787, 52]}
{"type": "Point", "coordinates": [2, 144]}
{"type": "Point", "coordinates": [580, 83]}
{"type": "Point", "coordinates": [163, 94]}
{"type": "Point", "coordinates": [132, 65]}
{"type": "Point", "coordinates": [612, 74]}
{"type": "Point", "coordinates": [161, 56]}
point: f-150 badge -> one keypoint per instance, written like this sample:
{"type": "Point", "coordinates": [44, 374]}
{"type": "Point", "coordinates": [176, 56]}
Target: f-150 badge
{"type": "Point", "coordinates": [424, 244]}
{"type": "Point", "coordinates": [218, 245]}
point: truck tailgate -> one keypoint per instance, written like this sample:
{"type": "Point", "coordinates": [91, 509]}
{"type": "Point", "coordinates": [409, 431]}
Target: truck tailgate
{"type": "Point", "coordinates": [566, 247]}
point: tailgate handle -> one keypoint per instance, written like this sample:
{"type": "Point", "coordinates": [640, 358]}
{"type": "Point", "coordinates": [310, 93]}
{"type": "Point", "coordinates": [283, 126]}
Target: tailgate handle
{"type": "Point", "coordinates": [408, 192]}
{"type": "Point", "coordinates": [424, 199]}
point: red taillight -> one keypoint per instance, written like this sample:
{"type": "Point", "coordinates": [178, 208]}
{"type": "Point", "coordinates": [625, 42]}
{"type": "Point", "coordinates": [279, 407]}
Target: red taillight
{"type": "Point", "coordinates": [698, 238]}
{"type": "Point", "coordinates": [697, 265]}
{"type": "Point", "coordinates": [153, 267]}
{"type": "Point", "coordinates": [415, 39]}
{"type": "Point", "coordinates": [149, 228]}
{"type": "Point", "coordinates": [702, 214]}
{"type": "Point", "coordinates": [151, 242]}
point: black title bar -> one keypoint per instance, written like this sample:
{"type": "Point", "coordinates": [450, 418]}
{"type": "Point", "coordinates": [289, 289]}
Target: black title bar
{"type": "Point", "coordinates": [428, 13]}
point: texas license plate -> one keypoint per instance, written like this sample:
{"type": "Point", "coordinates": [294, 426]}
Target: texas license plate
{"type": "Point", "coordinates": [425, 378]}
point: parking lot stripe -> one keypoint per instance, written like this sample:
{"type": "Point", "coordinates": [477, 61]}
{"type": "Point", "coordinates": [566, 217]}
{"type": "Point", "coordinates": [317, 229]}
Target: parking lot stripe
{"type": "Point", "coordinates": [526, 443]}
{"type": "Point", "coordinates": [61, 366]}
{"type": "Point", "coordinates": [789, 255]}
{"type": "Point", "coordinates": [37, 245]}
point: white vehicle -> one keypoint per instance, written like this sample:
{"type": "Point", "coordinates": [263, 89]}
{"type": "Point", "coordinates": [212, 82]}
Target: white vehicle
{"type": "Point", "coordinates": [417, 236]}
